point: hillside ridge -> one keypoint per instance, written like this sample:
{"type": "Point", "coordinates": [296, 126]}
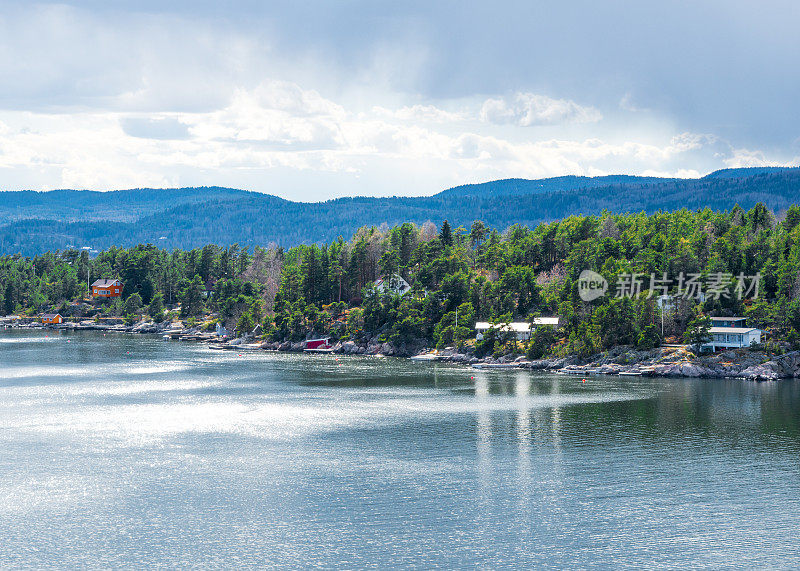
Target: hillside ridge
{"type": "Point", "coordinates": [192, 217]}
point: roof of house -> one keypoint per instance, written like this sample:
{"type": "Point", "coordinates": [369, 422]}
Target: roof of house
{"type": "Point", "coordinates": [715, 318]}
{"type": "Point", "coordinates": [396, 278]}
{"type": "Point", "coordinates": [519, 326]}
{"type": "Point", "coordinates": [50, 315]}
{"type": "Point", "coordinates": [732, 329]}
{"type": "Point", "coordinates": [105, 282]}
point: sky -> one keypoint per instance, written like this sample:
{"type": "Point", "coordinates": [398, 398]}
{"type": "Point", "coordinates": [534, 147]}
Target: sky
{"type": "Point", "coordinates": [316, 100]}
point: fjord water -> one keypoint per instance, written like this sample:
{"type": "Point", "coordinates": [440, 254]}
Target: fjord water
{"type": "Point", "coordinates": [132, 451]}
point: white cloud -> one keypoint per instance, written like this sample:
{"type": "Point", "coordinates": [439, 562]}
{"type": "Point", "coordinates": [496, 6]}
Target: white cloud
{"type": "Point", "coordinates": [289, 97]}
{"type": "Point", "coordinates": [94, 174]}
{"type": "Point", "coordinates": [746, 158]}
{"type": "Point", "coordinates": [680, 173]}
{"type": "Point", "coordinates": [280, 114]}
{"type": "Point", "coordinates": [281, 137]}
{"type": "Point", "coordinates": [426, 113]}
{"type": "Point", "coordinates": [527, 109]}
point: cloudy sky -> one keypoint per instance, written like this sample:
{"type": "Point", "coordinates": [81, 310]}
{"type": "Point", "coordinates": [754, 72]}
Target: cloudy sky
{"type": "Point", "coordinates": [314, 100]}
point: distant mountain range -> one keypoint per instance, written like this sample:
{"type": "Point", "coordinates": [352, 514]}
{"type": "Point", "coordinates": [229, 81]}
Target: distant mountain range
{"type": "Point", "coordinates": [33, 222]}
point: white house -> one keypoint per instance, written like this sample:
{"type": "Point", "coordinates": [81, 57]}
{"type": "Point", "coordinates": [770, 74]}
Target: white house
{"type": "Point", "coordinates": [731, 333]}
{"type": "Point", "coordinates": [669, 303]}
{"type": "Point", "coordinates": [522, 329]}
{"type": "Point", "coordinates": [394, 285]}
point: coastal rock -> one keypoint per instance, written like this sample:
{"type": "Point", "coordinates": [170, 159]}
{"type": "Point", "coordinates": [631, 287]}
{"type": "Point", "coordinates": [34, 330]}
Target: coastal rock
{"type": "Point", "coordinates": [784, 367]}
{"type": "Point", "coordinates": [349, 348]}
{"type": "Point", "coordinates": [145, 327]}
{"type": "Point", "coordinates": [666, 370]}
{"type": "Point", "coordinates": [299, 346]}
{"type": "Point", "coordinates": [609, 369]}
{"type": "Point", "coordinates": [406, 350]}
{"type": "Point", "coordinates": [768, 371]}
{"type": "Point", "coordinates": [693, 370]}
{"type": "Point", "coordinates": [561, 362]}
{"type": "Point", "coordinates": [684, 369]}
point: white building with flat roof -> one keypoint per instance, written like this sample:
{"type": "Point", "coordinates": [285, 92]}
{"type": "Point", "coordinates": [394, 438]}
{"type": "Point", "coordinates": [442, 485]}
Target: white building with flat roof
{"type": "Point", "coordinates": [731, 333]}
{"type": "Point", "coordinates": [522, 329]}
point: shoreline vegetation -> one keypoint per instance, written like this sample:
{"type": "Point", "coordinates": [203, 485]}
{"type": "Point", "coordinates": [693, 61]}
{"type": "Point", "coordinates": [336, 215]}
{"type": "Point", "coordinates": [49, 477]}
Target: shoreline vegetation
{"type": "Point", "coordinates": [669, 361]}
{"type": "Point", "coordinates": [418, 291]}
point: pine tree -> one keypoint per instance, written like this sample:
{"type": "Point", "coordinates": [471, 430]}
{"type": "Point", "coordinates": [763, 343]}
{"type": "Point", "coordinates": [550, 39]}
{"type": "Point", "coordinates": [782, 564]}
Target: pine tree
{"type": "Point", "coordinates": [156, 307]}
{"type": "Point", "coordinates": [446, 234]}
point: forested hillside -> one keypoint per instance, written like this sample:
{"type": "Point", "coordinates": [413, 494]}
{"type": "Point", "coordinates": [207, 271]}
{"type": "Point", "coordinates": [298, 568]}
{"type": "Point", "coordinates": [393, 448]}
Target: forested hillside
{"type": "Point", "coordinates": [512, 186]}
{"type": "Point", "coordinates": [743, 262]}
{"type": "Point", "coordinates": [31, 223]}
{"type": "Point", "coordinates": [116, 205]}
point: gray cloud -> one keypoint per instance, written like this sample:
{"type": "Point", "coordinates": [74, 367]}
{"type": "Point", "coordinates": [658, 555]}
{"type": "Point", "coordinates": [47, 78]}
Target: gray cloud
{"type": "Point", "coordinates": [162, 128]}
{"type": "Point", "coordinates": [389, 95]}
{"type": "Point", "coordinates": [528, 109]}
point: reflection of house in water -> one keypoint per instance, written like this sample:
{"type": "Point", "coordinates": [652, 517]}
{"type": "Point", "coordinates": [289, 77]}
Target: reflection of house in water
{"type": "Point", "coordinates": [484, 431]}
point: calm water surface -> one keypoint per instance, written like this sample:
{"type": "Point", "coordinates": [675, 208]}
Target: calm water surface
{"type": "Point", "coordinates": [132, 451]}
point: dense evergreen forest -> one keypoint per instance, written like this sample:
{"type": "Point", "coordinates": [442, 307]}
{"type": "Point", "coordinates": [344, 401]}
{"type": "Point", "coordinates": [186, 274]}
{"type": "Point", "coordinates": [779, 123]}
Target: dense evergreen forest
{"type": "Point", "coordinates": [458, 275]}
{"type": "Point", "coordinates": [32, 223]}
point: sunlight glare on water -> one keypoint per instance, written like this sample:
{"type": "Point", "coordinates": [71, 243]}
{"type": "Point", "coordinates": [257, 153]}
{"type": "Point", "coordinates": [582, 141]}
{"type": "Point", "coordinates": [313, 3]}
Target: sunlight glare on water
{"type": "Point", "coordinates": [132, 451]}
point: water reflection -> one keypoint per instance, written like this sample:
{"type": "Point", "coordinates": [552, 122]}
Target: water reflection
{"type": "Point", "coordinates": [556, 414]}
{"type": "Point", "coordinates": [484, 429]}
{"type": "Point", "coordinates": [174, 453]}
{"type": "Point", "coordinates": [723, 407]}
{"type": "Point", "coordinates": [522, 384]}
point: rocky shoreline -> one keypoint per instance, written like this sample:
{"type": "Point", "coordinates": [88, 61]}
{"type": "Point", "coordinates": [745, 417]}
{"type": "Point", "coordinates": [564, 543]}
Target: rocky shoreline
{"type": "Point", "coordinates": [668, 361]}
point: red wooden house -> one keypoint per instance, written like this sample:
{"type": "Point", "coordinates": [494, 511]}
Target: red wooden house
{"type": "Point", "coordinates": [106, 288]}
{"type": "Point", "coordinates": [318, 344]}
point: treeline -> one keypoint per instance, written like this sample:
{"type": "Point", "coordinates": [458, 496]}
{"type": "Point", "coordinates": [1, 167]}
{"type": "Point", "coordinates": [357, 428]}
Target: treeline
{"type": "Point", "coordinates": [458, 275]}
